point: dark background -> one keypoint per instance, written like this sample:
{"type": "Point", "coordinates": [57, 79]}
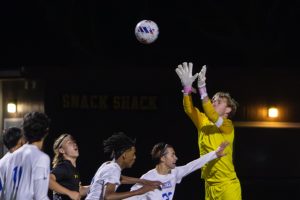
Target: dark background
{"type": "Point", "coordinates": [72, 32]}
{"type": "Point", "coordinates": [88, 48]}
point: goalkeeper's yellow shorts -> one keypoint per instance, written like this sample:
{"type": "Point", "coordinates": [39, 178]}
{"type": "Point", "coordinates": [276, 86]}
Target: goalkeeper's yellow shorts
{"type": "Point", "coordinates": [227, 190]}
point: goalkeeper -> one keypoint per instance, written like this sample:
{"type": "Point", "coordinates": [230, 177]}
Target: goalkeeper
{"type": "Point", "coordinates": [214, 126]}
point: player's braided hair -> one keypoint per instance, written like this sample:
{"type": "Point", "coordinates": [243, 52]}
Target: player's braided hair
{"type": "Point", "coordinates": [117, 144]}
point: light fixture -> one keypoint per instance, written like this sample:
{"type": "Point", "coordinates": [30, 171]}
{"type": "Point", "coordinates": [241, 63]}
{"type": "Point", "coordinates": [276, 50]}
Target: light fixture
{"type": "Point", "coordinates": [273, 112]}
{"type": "Point", "coordinates": [11, 108]}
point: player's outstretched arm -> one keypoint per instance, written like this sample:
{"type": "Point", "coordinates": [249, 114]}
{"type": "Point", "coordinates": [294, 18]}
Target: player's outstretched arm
{"type": "Point", "coordinates": [132, 180]}
{"type": "Point", "coordinates": [111, 194]}
{"type": "Point", "coordinates": [202, 84]}
{"type": "Point", "coordinates": [194, 165]}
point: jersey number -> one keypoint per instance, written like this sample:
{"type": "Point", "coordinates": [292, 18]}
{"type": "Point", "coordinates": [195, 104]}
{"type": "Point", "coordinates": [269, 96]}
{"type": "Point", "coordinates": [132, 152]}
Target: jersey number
{"type": "Point", "coordinates": [17, 173]}
{"type": "Point", "coordinates": [166, 196]}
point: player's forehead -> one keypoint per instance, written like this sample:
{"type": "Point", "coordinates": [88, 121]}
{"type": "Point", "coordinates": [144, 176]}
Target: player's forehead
{"type": "Point", "coordinates": [69, 139]}
{"type": "Point", "coordinates": [170, 150]}
{"type": "Point", "coordinates": [219, 99]}
{"type": "Point", "coordinates": [131, 150]}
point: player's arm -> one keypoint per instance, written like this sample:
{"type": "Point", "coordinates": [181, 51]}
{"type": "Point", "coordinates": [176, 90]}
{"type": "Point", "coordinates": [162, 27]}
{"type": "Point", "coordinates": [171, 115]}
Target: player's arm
{"type": "Point", "coordinates": [184, 72]}
{"type": "Point", "coordinates": [224, 124]}
{"type": "Point", "coordinates": [111, 194]}
{"type": "Point", "coordinates": [40, 175]}
{"type": "Point", "coordinates": [194, 114]}
{"type": "Point", "coordinates": [83, 190]}
{"type": "Point", "coordinates": [55, 186]}
{"type": "Point", "coordinates": [194, 165]}
{"type": "Point", "coordinates": [132, 180]}
{"type": "Point", "coordinates": [40, 192]}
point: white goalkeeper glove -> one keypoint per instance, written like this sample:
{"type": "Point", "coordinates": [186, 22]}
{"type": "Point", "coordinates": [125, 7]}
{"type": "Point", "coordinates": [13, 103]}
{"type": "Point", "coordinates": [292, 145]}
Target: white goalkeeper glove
{"type": "Point", "coordinates": [202, 77]}
{"type": "Point", "coordinates": [201, 82]}
{"type": "Point", "coordinates": [184, 72]}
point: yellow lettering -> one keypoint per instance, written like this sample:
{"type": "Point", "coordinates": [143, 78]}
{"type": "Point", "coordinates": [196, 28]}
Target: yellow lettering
{"type": "Point", "coordinates": [84, 102]}
{"type": "Point", "coordinates": [103, 102]}
{"type": "Point", "coordinates": [66, 101]}
{"type": "Point", "coordinates": [116, 103]}
{"type": "Point", "coordinates": [135, 103]}
{"type": "Point", "coordinates": [152, 103]}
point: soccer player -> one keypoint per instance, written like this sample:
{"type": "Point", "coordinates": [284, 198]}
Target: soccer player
{"type": "Point", "coordinates": [214, 126]}
{"type": "Point", "coordinates": [12, 139]}
{"type": "Point", "coordinates": [108, 177]}
{"type": "Point", "coordinates": [64, 177]}
{"type": "Point", "coordinates": [27, 174]}
{"type": "Point", "coordinates": [167, 172]}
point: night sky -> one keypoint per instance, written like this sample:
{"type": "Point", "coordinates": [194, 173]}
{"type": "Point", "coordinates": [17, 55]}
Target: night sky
{"type": "Point", "coordinates": [95, 33]}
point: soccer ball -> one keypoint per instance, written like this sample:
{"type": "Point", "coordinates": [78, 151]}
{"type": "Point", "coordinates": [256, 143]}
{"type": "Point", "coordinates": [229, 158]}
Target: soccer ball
{"type": "Point", "coordinates": [146, 31]}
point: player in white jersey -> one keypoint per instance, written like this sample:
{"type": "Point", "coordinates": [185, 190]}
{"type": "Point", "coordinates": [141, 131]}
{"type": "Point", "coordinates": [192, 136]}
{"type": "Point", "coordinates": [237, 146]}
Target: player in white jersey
{"type": "Point", "coordinates": [27, 173]}
{"type": "Point", "coordinates": [108, 177]}
{"type": "Point", "coordinates": [12, 139]}
{"type": "Point", "coordinates": [167, 172]}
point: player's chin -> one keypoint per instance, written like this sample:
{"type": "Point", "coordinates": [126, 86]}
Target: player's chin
{"type": "Point", "coordinates": [131, 164]}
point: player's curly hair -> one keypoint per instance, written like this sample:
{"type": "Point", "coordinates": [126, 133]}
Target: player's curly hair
{"type": "Point", "coordinates": [35, 126]}
{"type": "Point", "coordinates": [117, 144]}
{"type": "Point", "coordinates": [158, 151]}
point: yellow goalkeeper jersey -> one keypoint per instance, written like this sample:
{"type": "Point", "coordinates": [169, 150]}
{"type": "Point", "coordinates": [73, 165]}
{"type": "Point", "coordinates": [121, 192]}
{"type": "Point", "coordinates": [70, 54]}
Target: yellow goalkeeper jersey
{"type": "Point", "coordinates": [210, 137]}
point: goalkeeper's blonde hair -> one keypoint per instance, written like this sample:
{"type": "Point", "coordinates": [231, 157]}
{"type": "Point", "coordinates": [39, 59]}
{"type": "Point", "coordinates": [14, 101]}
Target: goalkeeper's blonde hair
{"type": "Point", "coordinates": [231, 103]}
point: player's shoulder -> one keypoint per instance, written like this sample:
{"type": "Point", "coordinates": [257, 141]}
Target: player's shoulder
{"type": "Point", "coordinates": [38, 156]}
{"type": "Point", "coordinates": [150, 174]}
{"type": "Point", "coordinates": [110, 166]}
{"type": "Point", "coordinates": [5, 158]}
{"type": "Point", "coordinates": [42, 159]}
{"type": "Point", "coordinates": [64, 164]}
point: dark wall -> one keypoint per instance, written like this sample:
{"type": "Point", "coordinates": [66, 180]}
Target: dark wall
{"type": "Point", "coordinates": [87, 104]}
{"type": "Point", "coordinates": [28, 95]}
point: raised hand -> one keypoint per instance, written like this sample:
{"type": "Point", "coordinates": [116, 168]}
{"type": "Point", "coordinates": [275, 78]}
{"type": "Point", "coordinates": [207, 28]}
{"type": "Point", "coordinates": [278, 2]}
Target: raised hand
{"type": "Point", "coordinates": [220, 150]}
{"type": "Point", "coordinates": [202, 77]}
{"type": "Point", "coordinates": [184, 72]}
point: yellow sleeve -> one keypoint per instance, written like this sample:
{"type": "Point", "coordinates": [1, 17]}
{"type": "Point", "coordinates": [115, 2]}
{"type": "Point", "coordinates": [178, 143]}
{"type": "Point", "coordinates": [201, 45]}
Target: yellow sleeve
{"type": "Point", "coordinates": [193, 112]}
{"type": "Point", "coordinates": [226, 127]}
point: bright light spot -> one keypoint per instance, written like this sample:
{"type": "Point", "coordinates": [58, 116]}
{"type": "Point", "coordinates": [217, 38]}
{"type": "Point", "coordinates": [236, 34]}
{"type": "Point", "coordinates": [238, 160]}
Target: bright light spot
{"type": "Point", "coordinates": [273, 112]}
{"type": "Point", "coordinates": [11, 108]}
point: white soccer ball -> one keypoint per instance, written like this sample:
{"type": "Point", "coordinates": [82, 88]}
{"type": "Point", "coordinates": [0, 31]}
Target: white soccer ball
{"type": "Point", "coordinates": [146, 31]}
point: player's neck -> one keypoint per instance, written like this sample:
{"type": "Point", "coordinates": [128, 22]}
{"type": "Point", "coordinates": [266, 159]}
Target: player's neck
{"type": "Point", "coordinates": [71, 159]}
{"type": "Point", "coordinates": [162, 169]}
{"type": "Point", "coordinates": [11, 150]}
{"type": "Point", "coordinates": [38, 144]}
{"type": "Point", "coordinates": [120, 163]}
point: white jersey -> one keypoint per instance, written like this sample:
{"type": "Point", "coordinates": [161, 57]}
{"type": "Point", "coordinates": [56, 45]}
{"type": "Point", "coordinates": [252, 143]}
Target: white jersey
{"type": "Point", "coordinates": [27, 174]}
{"type": "Point", "coordinates": [108, 172]}
{"type": "Point", "coordinates": [3, 162]}
{"type": "Point", "coordinates": [170, 180]}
